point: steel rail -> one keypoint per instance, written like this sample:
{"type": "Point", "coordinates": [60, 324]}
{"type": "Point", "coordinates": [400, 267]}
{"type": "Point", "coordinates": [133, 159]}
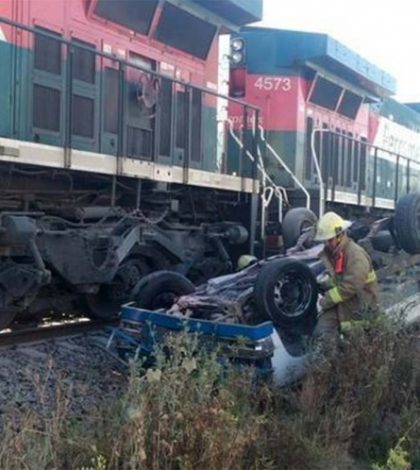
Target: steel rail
{"type": "Point", "coordinates": [42, 333]}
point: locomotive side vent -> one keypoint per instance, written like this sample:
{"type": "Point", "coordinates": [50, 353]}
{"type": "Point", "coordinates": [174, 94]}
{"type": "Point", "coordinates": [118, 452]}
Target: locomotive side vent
{"type": "Point", "coordinates": [46, 108]}
{"type": "Point", "coordinates": [325, 93]}
{"type": "Point", "coordinates": [133, 14]}
{"type": "Point", "coordinates": [47, 53]}
{"type": "Point", "coordinates": [83, 66]}
{"type": "Point", "coordinates": [184, 31]}
{"type": "Point", "coordinates": [139, 143]}
{"type": "Point", "coordinates": [83, 116]}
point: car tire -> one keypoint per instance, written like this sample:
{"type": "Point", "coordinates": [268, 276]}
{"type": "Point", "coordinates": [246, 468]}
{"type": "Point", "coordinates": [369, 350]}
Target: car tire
{"type": "Point", "coordinates": [160, 289]}
{"type": "Point", "coordinates": [407, 223]}
{"type": "Point", "coordinates": [286, 292]}
{"type": "Point", "coordinates": [294, 223]}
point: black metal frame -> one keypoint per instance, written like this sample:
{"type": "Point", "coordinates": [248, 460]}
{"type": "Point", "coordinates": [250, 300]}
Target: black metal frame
{"type": "Point", "coordinates": [369, 148]}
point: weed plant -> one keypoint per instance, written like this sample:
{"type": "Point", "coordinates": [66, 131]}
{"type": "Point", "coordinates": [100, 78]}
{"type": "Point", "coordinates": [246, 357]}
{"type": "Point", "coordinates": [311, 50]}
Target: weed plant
{"type": "Point", "coordinates": [359, 410]}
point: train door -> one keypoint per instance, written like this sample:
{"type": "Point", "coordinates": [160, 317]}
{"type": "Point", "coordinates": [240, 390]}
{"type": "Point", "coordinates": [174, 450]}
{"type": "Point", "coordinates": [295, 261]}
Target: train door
{"type": "Point", "coordinates": [85, 81]}
{"type": "Point", "coordinates": [47, 104]}
{"type": "Point", "coordinates": [174, 117]}
{"type": "Point", "coordinates": [181, 124]}
{"type": "Point", "coordinates": [141, 98]}
{"type": "Point", "coordinates": [166, 110]}
{"type": "Point", "coordinates": [188, 118]}
{"type": "Point", "coordinates": [196, 130]}
{"type": "Point", "coordinates": [111, 76]}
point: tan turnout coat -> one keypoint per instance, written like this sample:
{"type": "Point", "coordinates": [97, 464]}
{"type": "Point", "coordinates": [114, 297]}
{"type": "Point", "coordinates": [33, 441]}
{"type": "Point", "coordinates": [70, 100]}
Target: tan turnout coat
{"type": "Point", "coordinates": [354, 290]}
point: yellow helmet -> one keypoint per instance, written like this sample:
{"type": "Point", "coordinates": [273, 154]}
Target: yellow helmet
{"type": "Point", "coordinates": [330, 225]}
{"type": "Point", "coordinates": [245, 260]}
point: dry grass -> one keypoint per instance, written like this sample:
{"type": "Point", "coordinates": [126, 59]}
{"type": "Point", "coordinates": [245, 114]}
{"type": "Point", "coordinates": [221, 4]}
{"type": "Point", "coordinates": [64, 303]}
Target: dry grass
{"type": "Point", "coordinates": [360, 411]}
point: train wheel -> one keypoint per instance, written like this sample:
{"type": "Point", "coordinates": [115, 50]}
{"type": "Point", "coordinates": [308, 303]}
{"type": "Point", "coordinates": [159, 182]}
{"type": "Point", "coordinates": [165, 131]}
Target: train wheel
{"type": "Point", "coordinates": [407, 223]}
{"type": "Point", "coordinates": [294, 223]}
{"type": "Point", "coordinates": [107, 302]}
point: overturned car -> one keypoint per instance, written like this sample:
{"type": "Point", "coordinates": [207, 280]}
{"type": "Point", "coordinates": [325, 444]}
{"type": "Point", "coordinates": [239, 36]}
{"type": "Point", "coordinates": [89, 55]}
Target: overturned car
{"type": "Point", "coordinates": [272, 302]}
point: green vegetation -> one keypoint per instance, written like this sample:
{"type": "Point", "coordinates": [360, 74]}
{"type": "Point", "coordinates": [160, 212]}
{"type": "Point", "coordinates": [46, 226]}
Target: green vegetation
{"type": "Point", "coordinates": [361, 411]}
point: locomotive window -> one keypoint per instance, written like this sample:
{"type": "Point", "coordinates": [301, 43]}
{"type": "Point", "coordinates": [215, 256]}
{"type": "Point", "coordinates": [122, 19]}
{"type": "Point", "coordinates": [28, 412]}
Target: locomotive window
{"type": "Point", "coordinates": [47, 52]}
{"type": "Point", "coordinates": [83, 116]}
{"type": "Point", "coordinates": [46, 108]}
{"type": "Point", "coordinates": [350, 104]}
{"type": "Point", "coordinates": [325, 93]}
{"type": "Point", "coordinates": [83, 62]}
{"type": "Point", "coordinates": [183, 31]}
{"type": "Point", "coordinates": [133, 14]}
{"type": "Point", "coordinates": [111, 92]}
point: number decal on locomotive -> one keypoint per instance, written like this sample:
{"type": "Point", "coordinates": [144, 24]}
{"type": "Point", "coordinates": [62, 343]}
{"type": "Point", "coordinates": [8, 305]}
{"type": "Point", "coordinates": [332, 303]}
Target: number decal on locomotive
{"type": "Point", "coordinates": [273, 83]}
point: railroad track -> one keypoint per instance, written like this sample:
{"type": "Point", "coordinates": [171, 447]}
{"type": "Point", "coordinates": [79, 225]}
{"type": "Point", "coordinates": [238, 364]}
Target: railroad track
{"type": "Point", "coordinates": [51, 331]}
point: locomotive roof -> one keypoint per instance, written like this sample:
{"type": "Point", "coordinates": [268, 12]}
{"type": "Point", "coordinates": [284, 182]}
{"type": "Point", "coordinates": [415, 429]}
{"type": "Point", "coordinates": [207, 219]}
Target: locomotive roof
{"type": "Point", "coordinates": [239, 12]}
{"type": "Point", "coordinates": [318, 51]}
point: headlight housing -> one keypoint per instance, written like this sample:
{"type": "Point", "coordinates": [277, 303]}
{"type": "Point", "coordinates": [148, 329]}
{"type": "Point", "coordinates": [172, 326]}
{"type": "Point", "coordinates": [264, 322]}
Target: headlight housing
{"type": "Point", "coordinates": [237, 57]}
{"type": "Point", "coordinates": [237, 44]}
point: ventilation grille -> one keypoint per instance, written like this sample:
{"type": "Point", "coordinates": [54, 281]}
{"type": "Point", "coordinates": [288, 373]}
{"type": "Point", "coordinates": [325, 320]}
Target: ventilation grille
{"type": "Point", "coordinates": [83, 66]}
{"type": "Point", "coordinates": [47, 53]}
{"type": "Point", "coordinates": [139, 143]}
{"type": "Point", "coordinates": [83, 116]}
{"type": "Point", "coordinates": [46, 108]}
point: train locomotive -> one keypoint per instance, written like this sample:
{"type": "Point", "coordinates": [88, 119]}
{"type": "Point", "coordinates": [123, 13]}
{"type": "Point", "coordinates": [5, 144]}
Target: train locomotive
{"type": "Point", "coordinates": [119, 156]}
{"type": "Point", "coordinates": [109, 163]}
{"type": "Point", "coordinates": [336, 138]}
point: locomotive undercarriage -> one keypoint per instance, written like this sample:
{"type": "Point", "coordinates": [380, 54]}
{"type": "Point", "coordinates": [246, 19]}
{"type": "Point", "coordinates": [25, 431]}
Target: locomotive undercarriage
{"type": "Point", "coordinates": [71, 242]}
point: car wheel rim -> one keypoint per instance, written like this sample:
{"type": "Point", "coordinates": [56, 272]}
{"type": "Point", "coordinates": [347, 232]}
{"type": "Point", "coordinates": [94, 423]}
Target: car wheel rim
{"type": "Point", "coordinates": [292, 294]}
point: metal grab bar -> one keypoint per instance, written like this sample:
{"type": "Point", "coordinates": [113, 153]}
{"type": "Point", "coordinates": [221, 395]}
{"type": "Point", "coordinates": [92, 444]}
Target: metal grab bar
{"type": "Point", "coordinates": [281, 192]}
{"type": "Point", "coordinates": [285, 167]}
{"type": "Point", "coordinates": [266, 197]}
{"type": "Point", "coordinates": [318, 171]}
{"type": "Point", "coordinates": [278, 191]}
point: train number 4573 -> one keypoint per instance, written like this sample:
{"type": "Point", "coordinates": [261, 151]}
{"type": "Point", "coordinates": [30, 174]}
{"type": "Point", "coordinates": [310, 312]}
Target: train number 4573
{"type": "Point", "coordinates": [273, 83]}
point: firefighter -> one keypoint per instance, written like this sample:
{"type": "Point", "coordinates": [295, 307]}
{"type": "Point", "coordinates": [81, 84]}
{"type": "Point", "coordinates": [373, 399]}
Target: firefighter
{"type": "Point", "coordinates": [350, 287]}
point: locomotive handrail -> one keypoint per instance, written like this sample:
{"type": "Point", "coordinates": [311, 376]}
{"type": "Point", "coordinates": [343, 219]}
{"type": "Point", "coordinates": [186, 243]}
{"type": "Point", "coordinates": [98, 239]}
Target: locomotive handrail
{"type": "Point", "coordinates": [318, 171]}
{"type": "Point", "coordinates": [288, 170]}
{"type": "Point", "coordinates": [372, 152]}
{"type": "Point", "coordinates": [267, 192]}
{"type": "Point", "coordinates": [279, 189]}
{"type": "Point", "coordinates": [121, 61]}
